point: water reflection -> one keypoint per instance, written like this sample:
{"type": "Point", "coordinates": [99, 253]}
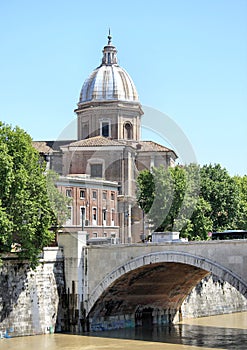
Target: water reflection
{"type": "Point", "coordinates": [216, 332]}
{"type": "Point", "coordinates": [200, 336]}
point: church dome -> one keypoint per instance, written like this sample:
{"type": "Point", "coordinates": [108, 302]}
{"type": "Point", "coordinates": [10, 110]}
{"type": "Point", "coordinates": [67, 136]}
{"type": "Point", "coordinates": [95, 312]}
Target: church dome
{"type": "Point", "coordinates": [108, 82]}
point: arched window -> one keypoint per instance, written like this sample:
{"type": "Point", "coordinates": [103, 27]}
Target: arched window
{"type": "Point", "coordinates": [128, 131]}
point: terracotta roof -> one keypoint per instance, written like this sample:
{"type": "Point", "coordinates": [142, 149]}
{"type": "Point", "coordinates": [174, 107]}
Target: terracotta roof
{"type": "Point", "coordinates": [151, 146]}
{"type": "Point", "coordinates": [49, 146]}
{"type": "Point", "coordinates": [42, 147]}
{"type": "Point", "coordinates": [97, 141]}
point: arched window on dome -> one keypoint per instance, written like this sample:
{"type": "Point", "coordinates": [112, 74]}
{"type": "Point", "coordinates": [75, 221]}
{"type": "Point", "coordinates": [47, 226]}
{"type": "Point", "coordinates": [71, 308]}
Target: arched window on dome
{"type": "Point", "coordinates": [128, 131]}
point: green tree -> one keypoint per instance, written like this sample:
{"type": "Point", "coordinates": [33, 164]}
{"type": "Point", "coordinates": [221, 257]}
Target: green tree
{"type": "Point", "coordinates": [219, 189]}
{"type": "Point", "coordinates": [168, 196]}
{"type": "Point", "coordinates": [193, 200]}
{"type": "Point", "coordinates": [59, 202]}
{"type": "Point", "coordinates": [241, 217]}
{"type": "Point", "coordinates": [145, 190]}
{"type": "Point", "coordinates": [26, 214]}
{"type": "Point", "coordinates": [186, 190]}
{"type": "Point", "coordinates": [163, 196]}
{"type": "Point", "coordinates": [200, 224]}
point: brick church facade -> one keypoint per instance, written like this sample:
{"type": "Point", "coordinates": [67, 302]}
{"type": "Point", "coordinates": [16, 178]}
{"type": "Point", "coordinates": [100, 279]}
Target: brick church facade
{"type": "Point", "coordinates": [107, 156]}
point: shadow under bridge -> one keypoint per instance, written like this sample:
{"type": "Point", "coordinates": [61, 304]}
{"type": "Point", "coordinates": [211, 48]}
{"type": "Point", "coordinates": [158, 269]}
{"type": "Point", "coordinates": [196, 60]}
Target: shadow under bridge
{"type": "Point", "coordinates": [150, 294]}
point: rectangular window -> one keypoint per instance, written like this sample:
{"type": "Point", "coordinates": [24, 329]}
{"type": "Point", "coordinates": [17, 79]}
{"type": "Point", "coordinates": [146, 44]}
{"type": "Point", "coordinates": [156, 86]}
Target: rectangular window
{"type": "Point", "coordinates": [112, 217]}
{"type": "Point", "coordinates": [104, 195]}
{"type": "Point", "coordinates": [96, 170]}
{"type": "Point", "coordinates": [94, 216]}
{"type": "Point", "coordinates": [95, 234]}
{"type": "Point", "coordinates": [85, 131]}
{"type": "Point", "coordinates": [82, 193]}
{"type": "Point", "coordinates": [112, 196]}
{"type": "Point", "coordinates": [94, 195]}
{"type": "Point", "coordinates": [82, 216]}
{"type": "Point", "coordinates": [104, 216]}
{"type": "Point", "coordinates": [105, 130]}
{"type": "Point", "coordinates": [68, 192]}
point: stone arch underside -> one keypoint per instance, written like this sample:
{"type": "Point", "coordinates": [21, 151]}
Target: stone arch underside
{"type": "Point", "coordinates": [160, 281]}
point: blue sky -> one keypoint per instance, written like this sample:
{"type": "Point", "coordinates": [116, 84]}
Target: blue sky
{"type": "Point", "coordinates": [188, 59]}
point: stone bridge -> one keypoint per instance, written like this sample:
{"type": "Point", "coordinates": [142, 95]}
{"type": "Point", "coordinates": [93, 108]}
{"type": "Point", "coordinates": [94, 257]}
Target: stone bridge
{"type": "Point", "coordinates": [123, 284]}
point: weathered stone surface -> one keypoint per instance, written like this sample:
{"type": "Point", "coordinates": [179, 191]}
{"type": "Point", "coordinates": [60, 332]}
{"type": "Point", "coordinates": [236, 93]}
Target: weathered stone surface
{"type": "Point", "coordinates": [154, 280]}
{"type": "Point", "coordinates": [213, 296]}
{"type": "Point", "coordinates": [30, 300]}
{"type": "Point", "coordinates": [115, 261]}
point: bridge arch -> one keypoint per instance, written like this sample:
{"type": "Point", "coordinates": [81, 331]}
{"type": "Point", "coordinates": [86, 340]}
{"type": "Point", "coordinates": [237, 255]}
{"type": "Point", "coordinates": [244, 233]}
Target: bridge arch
{"type": "Point", "coordinates": [193, 268]}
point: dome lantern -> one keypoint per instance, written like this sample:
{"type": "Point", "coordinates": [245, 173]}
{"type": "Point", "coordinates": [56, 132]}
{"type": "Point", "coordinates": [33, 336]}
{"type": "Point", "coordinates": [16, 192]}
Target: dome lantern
{"type": "Point", "coordinates": [109, 53]}
{"type": "Point", "coordinates": [108, 82]}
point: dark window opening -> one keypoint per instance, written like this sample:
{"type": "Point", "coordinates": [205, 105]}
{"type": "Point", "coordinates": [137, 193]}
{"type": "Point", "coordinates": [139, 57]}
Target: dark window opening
{"type": "Point", "coordinates": [82, 193]}
{"type": "Point", "coordinates": [94, 214]}
{"type": "Point", "coordinates": [69, 193]}
{"type": "Point", "coordinates": [128, 131]}
{"type": "Point", "coordinates": [105, 129]}
{"type": "Point", "coordinates": [96, 170]}
{"type": "Point", "coordinates": [94, 194]}
{"type": "Point", "coordinates": [104, 214]}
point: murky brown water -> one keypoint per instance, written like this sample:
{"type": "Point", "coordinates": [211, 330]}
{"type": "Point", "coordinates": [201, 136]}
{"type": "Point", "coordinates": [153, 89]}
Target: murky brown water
{"type": "Point", "coordinates": [218, 332]}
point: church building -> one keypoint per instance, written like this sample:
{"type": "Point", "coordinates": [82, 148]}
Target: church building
{"type": "Point", "coordinates": [107, 155]}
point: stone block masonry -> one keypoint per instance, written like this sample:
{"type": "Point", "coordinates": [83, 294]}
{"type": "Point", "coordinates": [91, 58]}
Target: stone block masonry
{"type": "Point", "coordinates": [213, 296]}
{"type": "Point", "coordinates": [31, 301]}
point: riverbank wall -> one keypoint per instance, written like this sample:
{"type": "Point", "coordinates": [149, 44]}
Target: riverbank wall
{"type": "Point", "coordinates": [32, 302]}
{"type": "Point", "coordinates": [212, 296]}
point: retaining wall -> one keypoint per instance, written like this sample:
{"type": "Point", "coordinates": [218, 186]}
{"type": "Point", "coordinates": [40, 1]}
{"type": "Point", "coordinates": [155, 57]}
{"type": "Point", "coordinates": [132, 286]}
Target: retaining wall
{"type": "Point", "coordinates": [213, 296]}
{"type": "Point", "coordinates": [31, 301]}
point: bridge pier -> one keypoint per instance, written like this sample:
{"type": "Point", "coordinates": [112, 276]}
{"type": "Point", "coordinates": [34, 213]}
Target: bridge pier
{"type": "Point", "coordinates": [148, 316]}
{"type": "Point", "coordinates": [73, 245]}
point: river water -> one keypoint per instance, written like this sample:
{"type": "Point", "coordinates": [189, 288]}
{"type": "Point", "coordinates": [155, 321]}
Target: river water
{"type": "Point", "coordinates": [216, 332]}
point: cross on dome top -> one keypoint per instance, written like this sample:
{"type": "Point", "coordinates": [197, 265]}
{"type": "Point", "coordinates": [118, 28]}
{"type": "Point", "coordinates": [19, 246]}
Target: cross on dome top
{"type": "Point", "coordinates": [109, 37]}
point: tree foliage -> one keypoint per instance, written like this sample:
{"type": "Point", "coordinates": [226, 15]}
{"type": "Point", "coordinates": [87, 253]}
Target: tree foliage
{"type": "Point", "coordinates": [241, 218]}
{"type": "Point", "coordinates": [59, 202]}
{"type": "Point", "coordinates": [26, 213]}
{"type": "Point", "coordinates": [219, 189]}
{"type": "Point", "coordinates": [199, 224]}
{"type": "Point", "coordinates": [145, 190]}
{"type": "Point", "coordinates": [194, 200]}
{"type": "Point", "coordinates": [171, 196]}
